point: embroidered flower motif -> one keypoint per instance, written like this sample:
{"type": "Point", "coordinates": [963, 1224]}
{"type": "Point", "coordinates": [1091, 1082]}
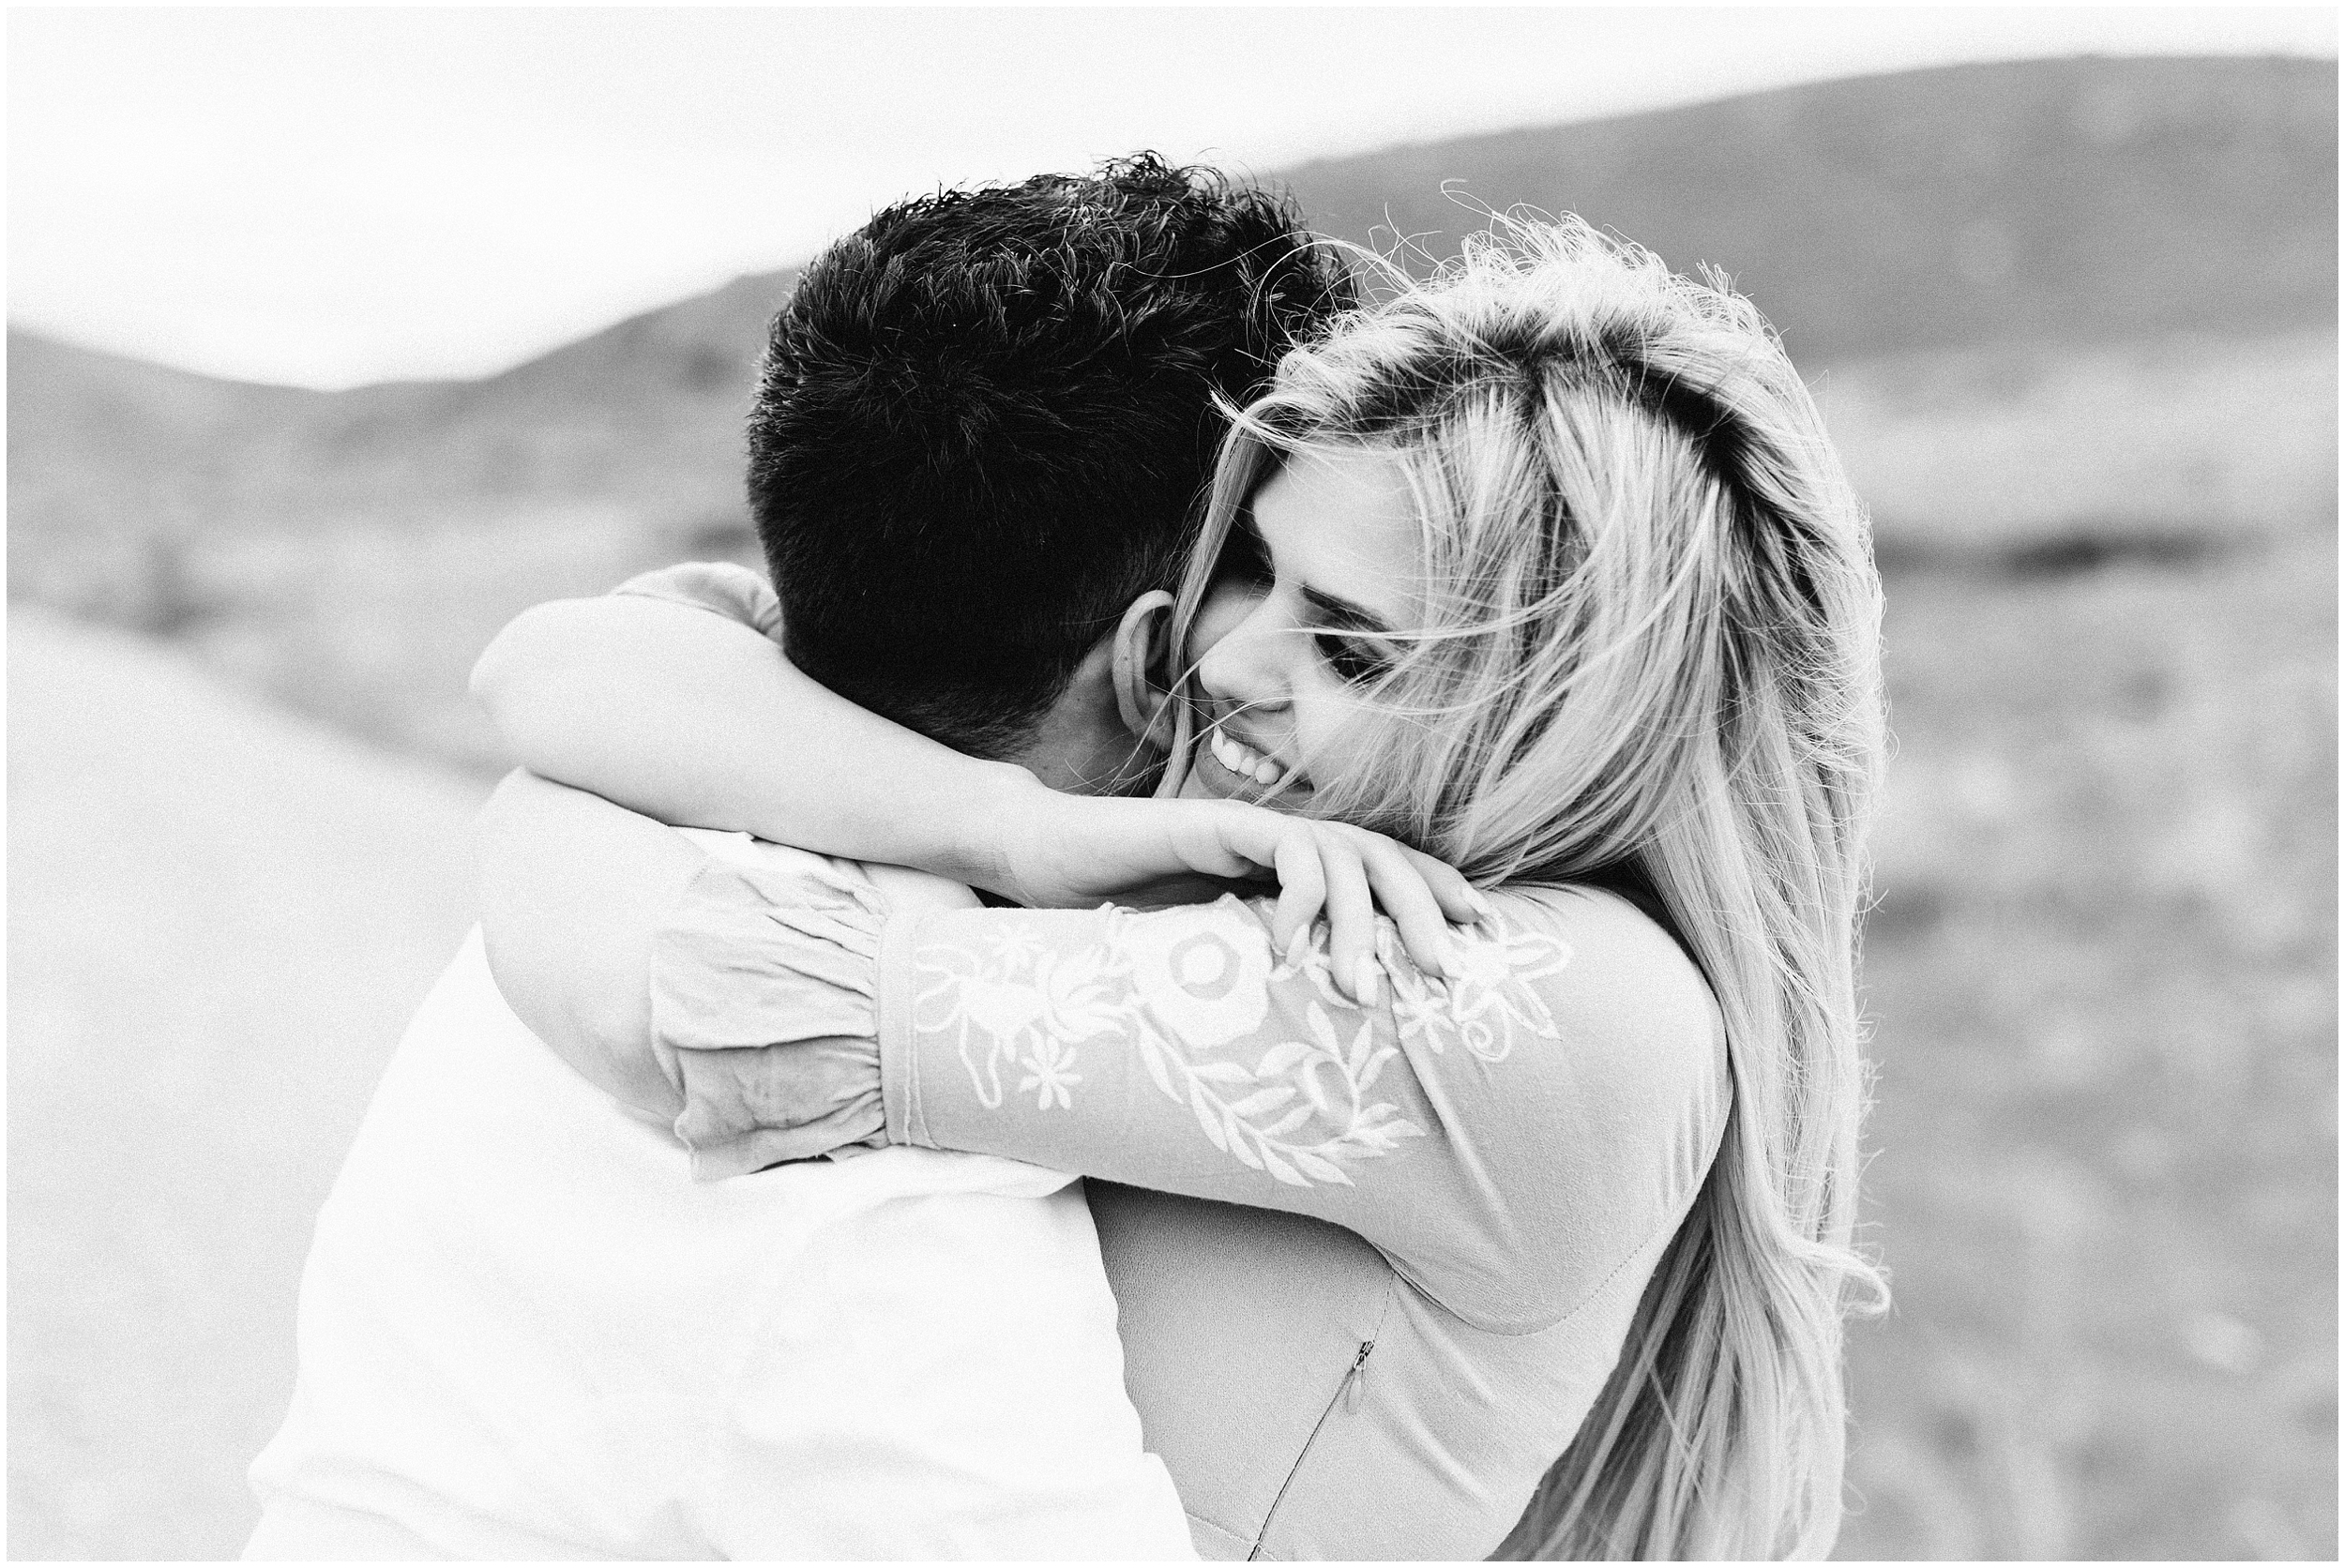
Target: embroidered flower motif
{"type": "Point", "coordinates": [1080, 1001]}
{"type": "Point", "coordinates": [1311, 960]}
{"type": "Point", "coordinates": [1052, 1074]}
{"type": "Point", "coordinates": [1001, 1008]}
{"type": "Point", "coordinates": [1203, 972]}
{"type": "Point", "coordinates": [1490, 1000]}
{"type": "Point", "coordinates": [1022, 1004]}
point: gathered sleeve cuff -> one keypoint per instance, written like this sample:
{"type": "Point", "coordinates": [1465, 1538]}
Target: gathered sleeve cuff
{"type": "Point", "coordinates": [764, 1012]}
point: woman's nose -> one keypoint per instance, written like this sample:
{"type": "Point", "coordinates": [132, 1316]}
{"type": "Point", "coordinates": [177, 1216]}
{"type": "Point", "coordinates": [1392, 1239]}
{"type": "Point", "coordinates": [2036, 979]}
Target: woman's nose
{"type": "Point", "coordinates": [1242, 666]}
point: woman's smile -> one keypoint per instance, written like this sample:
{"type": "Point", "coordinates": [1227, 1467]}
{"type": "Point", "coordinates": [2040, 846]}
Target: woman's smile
{"type": "Point", "coordinates": [1223, 765]}
{"type": "Point", "coordinates": [1240, 758]}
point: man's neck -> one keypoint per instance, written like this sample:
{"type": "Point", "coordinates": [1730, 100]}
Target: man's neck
{"type": "Point", "coordinates": [1120, 767]}
{"type": "Point", "coordinates": [1081, 747]}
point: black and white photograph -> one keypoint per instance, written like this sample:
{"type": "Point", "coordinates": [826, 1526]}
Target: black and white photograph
{"type": "Point", "coordinates": [1352, 783]}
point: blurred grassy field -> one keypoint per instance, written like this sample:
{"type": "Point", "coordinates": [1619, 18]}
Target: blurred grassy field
{"type": "Point", "coordinates": [2102, 974]}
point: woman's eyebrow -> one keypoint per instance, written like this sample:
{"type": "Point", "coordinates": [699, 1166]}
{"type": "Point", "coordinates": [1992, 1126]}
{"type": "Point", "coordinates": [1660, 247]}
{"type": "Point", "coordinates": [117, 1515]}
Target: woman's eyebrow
{"type": "Point", "coordinates": [1343, 612]}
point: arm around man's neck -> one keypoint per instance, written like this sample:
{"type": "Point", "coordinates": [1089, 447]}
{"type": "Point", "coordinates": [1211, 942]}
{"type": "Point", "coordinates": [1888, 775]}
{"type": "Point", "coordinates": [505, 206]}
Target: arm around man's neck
{"type": "Point", "coordinates": [697, 719]}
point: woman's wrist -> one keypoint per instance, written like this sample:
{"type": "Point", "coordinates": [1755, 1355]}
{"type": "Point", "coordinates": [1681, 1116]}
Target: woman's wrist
{"type": "Point", "coordinates": [1001, 806]}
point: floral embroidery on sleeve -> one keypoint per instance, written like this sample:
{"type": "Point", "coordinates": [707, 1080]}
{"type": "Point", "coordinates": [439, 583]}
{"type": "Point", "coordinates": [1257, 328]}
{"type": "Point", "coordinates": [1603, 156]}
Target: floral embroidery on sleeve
{"type": "Point", "coordinates": [1493, 1003]}
{"type": "Point", "coordinates": [1021, 1004]}
{"type": "Point", "coordinates": [1191, 989]}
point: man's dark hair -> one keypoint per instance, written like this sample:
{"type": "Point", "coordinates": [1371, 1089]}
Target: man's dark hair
{"type": "Point", "coordinates": [984, 418]}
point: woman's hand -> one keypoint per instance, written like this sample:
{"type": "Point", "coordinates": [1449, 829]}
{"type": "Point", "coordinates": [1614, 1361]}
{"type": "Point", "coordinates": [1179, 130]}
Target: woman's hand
{"type": "Point", "coordinates": [1061, 851]}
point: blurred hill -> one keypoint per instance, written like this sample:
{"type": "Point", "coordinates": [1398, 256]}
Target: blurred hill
{"type": "Point", "coordinates": [2048, 202]}
{"type": "Point", "coordinates": [625, 413]}
{"type": "Point", "coordinates": [2051, 306]}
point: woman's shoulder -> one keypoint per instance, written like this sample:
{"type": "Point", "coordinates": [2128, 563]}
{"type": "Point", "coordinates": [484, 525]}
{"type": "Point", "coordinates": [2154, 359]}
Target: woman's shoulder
{"type": "Point", "coordinates": [1583, 1060]}
{"type": "Point", "coordinates": [1615, 965]}
{"type": "Point", "coordinates": [1629, 1009]}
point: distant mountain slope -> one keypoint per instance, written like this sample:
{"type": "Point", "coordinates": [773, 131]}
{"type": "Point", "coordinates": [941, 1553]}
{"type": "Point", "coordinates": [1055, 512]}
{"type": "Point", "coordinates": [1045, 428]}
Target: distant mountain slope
{"type": "Point", "coordinates": [119, 471]}
{"type": "Point", "coordinates": [624, 414]}
{"type": "Point", "coordinates": [2072, 200]}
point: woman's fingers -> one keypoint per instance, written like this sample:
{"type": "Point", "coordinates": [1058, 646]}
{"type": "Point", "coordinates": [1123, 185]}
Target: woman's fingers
{"type": "Point", "coordinates": [1345, 873]}
{"type": "Point", "coordinates": [1228, 840]}
{"type": "Point", "coordinates": [1351, 919]}
{"type": "Point", "coordinates": [1459, 900]}
{"type": "Point", "coordinates": [1302, 890]}
{"type": "Point", "coordinates": [1403, 888]}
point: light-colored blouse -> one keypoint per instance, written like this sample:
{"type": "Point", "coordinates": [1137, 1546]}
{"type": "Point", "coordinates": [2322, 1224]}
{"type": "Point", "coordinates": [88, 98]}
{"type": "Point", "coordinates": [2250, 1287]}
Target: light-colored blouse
{"type": "Point", "coordinates": [1374, 1263]}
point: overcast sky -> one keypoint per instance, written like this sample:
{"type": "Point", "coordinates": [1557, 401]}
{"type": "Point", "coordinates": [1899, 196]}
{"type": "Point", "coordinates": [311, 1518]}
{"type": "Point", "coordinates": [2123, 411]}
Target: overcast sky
{"type": "Point", "coordinates": [334, 196]}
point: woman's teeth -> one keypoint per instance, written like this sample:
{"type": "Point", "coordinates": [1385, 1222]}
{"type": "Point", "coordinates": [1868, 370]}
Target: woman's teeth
{"type": "Point", "coordinates": [1245, 760]}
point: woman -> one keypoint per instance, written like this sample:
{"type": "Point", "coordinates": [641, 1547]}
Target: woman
{"type": "Point", "coordinates": [1546, 569]}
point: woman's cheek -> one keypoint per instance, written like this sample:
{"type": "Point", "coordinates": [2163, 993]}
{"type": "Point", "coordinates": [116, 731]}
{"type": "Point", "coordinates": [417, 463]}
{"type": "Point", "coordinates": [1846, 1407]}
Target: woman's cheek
{"type": "Point", "coordinates": [1323, 709]}
{"type": "Point", "coordinates": [1225, 609]}
{"type": "Point", "coordinates": [1313, 730]}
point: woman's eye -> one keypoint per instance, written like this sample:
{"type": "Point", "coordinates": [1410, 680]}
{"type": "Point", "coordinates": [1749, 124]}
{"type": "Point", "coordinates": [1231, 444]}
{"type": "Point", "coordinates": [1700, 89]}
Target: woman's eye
{"type": "Point", "coordinates": [1351, 659]}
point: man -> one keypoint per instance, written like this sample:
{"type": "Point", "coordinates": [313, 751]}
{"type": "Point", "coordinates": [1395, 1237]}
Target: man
{"type": "Point", "coordinates": [525, 1330]}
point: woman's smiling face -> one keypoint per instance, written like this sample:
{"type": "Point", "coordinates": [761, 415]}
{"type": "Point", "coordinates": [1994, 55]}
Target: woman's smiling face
{"type": "Point", "coordinates": [1328, 547]}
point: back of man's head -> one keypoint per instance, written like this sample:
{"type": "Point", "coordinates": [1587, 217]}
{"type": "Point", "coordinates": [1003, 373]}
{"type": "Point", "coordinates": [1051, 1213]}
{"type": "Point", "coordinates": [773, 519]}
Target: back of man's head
{"type": "Point", "coordinates": [984, 418]}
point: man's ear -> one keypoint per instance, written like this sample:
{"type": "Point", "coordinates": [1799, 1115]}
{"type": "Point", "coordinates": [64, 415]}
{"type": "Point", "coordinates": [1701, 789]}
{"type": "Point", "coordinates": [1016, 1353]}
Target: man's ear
{"type": "Point", "coordinates": [1143, 669]}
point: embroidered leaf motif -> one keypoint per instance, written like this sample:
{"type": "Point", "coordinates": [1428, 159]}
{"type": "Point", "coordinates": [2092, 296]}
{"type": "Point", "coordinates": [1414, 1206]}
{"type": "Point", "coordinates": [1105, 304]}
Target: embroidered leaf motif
{"type": "Point", "coordinates": [1288, 1123]}
{"type": "Point", "coordinates": [1153, 1056]}
{"type": "Point", "coordinates": [1261, 1100]}
{"type": "Point", "coordinates": [1322, 978]}
{"type": "Point", "coordinates": [1222, 1071]}
{"type": "Point", "coordinates": [1318, 1168]}
{"type": "Point", "coordinates": [1280, 1058]}
{"type": "Point", "coordinates": [1380, 1128]}
{"type": "Point", "coordinates": [1208, 1116]}
{"type": "Point", "coordinates": [1282, 1170]}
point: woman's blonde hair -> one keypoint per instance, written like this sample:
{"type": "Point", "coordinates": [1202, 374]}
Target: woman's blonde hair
{"type": "Point", "coordinates": [1648, 659]}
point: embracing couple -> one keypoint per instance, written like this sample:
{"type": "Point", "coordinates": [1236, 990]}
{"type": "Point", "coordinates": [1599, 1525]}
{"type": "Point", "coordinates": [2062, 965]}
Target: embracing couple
{"type": "Point", "coordinates": [1371, 779]}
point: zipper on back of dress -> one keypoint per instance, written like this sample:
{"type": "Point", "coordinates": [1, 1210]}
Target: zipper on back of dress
{"type": "Point", "coordinates": [1348, 1395]}
{"type": "Point", "coordinates": [1355, 1380]}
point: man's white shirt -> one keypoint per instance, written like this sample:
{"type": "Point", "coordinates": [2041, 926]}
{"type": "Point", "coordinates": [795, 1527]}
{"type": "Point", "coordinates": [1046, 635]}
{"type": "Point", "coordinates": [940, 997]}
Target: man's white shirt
{"type": "Point", "coordinates": [526, 1331]}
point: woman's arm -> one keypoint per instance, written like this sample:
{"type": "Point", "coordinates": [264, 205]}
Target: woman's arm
{"type": "Point", "coordinates": [696, 718]}
{"type": "Point", "coordinates": [666, 699]}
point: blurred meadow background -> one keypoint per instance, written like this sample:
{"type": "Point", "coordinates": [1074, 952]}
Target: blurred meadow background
{"type": "Point", "coordinates": [2073, 321]}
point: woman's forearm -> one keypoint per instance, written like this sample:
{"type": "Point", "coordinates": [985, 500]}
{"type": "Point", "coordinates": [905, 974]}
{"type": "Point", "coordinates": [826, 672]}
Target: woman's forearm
{"type": "Point", "coordinates": [699, 720]}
